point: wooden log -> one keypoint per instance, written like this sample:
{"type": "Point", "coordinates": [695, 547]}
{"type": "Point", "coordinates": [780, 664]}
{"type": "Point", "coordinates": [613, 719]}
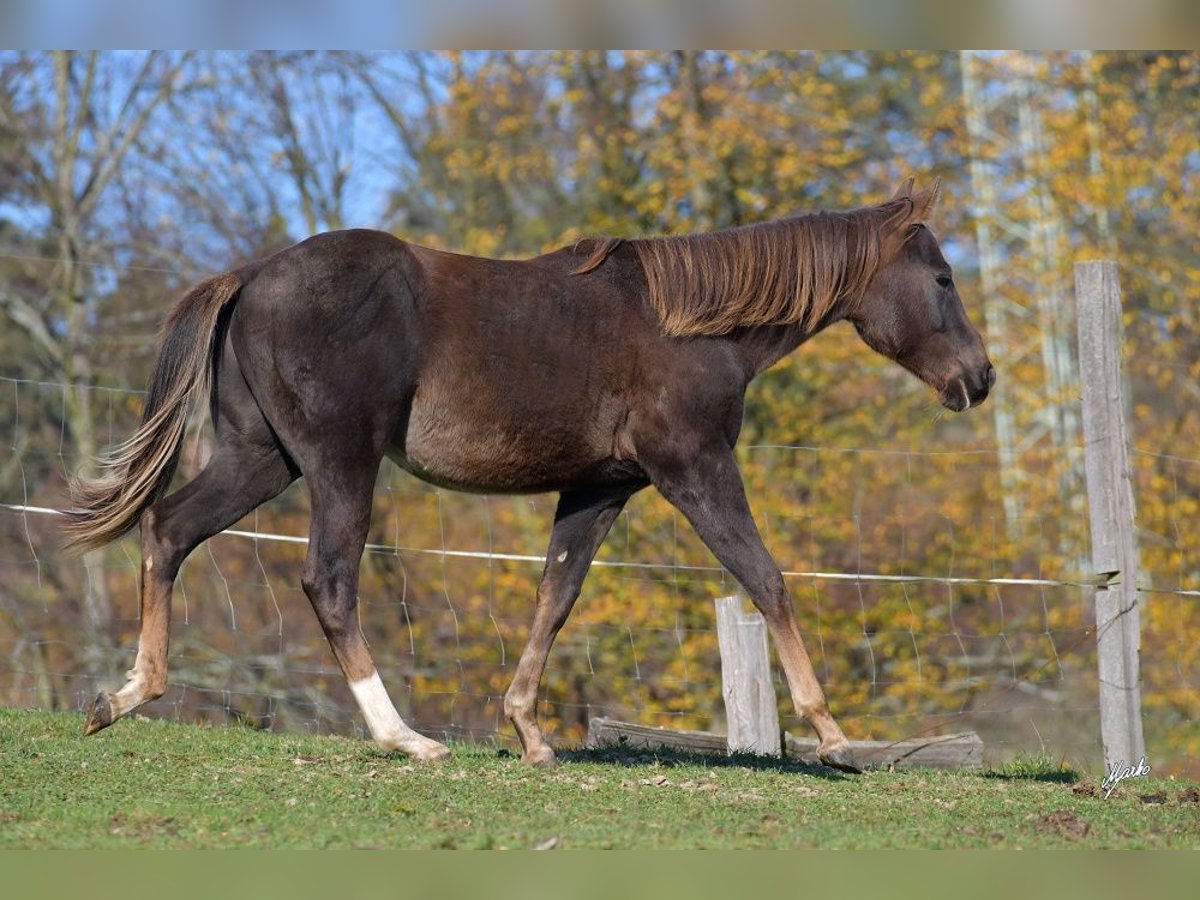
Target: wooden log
{"type": "Point", "coordinates": [605, 732]}
{"type": "Point", "coordinates": [948, 751]}
{"type": "Point", "coordinates": [752, 718]}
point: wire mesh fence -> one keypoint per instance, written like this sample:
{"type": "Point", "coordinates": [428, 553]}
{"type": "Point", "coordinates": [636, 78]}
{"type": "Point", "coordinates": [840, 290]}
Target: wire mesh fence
{"type": "Point", "coordinates": [917, 622]}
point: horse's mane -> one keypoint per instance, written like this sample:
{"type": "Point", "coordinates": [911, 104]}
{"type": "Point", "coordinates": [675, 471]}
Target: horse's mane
{"type": "Point", "coordinates": [788, 271]}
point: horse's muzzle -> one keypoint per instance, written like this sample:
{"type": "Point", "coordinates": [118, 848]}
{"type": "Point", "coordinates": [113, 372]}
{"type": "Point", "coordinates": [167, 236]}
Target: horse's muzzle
{"type": "Point", "coordinates": [968, 390]}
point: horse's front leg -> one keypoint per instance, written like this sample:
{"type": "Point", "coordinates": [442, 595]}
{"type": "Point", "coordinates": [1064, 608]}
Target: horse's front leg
{"type": "Point", "coordinates": [706, 486]}
{"type": "Point", "coordinates": [581, 521]}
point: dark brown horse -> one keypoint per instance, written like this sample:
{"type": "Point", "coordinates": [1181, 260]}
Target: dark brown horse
{"type": "Point", "coordinates": [593, 371]}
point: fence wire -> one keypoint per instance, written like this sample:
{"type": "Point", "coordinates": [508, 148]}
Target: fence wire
{"type": "Point", "coordinates": [916, 623]}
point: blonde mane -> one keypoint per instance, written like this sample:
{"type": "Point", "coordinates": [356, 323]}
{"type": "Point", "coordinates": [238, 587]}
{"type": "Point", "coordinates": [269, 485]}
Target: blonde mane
{"type": "Point", "coordinates": [789, 271]}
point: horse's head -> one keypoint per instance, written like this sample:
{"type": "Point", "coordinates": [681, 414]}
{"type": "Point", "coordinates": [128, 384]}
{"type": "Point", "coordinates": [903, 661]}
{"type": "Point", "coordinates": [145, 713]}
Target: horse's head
{"type": "Point", "coordinates": [911, 311]}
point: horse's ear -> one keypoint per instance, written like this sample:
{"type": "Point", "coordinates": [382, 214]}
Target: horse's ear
{"type": "Point", "coordinates": [911, 209]}
{"type": "Point", "coordinates": [925, 200]}
{"type": "Point", "coordinates": [905, 190]}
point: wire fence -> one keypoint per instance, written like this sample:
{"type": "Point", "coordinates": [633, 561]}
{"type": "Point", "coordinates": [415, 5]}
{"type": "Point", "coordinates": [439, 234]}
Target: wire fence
{"type": "Point", "coordinates": [917, 622]}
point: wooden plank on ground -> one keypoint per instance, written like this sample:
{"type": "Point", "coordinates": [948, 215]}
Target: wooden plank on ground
{"type": "Point", "coordinates": [947, 751]}
{"type": "Point", "coordinates": [604, 732]}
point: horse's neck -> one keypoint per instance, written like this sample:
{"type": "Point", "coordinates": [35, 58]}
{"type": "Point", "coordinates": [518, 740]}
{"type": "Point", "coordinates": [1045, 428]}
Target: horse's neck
{"type": "Point", "coordinates": [762, 346]}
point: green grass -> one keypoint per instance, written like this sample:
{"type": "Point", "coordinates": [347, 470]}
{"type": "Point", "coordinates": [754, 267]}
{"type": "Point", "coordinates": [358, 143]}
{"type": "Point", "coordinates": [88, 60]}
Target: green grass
{"type": "Point", "coordinates": [1036, 767]}
{"type": "Point", "coordinates": [159, 784]}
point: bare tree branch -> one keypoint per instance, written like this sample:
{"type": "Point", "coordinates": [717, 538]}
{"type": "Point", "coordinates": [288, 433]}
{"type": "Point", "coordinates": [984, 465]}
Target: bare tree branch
{"type": "Point", "coordinates": [23, 314]}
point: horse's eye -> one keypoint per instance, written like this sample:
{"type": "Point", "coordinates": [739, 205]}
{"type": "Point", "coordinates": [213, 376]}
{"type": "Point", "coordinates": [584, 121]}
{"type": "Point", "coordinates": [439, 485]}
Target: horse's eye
{"type": "Point", "coordinates": [944, 281]}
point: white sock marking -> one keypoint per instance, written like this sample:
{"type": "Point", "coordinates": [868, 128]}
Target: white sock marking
{"type": "Point", "coordinates": [387, 728]}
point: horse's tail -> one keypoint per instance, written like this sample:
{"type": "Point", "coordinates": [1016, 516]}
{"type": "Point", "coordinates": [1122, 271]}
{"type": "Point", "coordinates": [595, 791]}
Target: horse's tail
{"type": "Point", "coordinates": [137, 473]}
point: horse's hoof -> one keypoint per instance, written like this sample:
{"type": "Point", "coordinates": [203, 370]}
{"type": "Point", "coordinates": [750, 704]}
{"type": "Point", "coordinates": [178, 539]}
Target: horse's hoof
{"type": "Point", "coordinates": [100, 716]}
{"type": "Point", "coordinates": [841, 759]}
{"type": "Point", "coordinates": [542, 758]}
{"type": "Point", "coordinates": [432, 754]}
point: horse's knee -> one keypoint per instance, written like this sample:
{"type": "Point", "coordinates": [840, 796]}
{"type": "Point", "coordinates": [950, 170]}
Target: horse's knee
{"type": "Point", "coordinates": [337, 615]}
{"type": "Point", "coordinates": [772, 598]}
{"type": "Point", "coordinates": [319, 580]}
{"type": "Point", "coordinates": [333, 595]}
{"type": "Point", "coordinates": [517, 703]}
{"type": "Point", "coordinates": [311, 581]}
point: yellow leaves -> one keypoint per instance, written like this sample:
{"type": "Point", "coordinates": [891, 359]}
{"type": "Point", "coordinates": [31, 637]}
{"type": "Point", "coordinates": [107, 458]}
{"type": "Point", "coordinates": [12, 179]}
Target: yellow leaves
{"type": "Point", "coordinates": [509, 125]}
{"type": "Point", "coordinates": [924, 62]}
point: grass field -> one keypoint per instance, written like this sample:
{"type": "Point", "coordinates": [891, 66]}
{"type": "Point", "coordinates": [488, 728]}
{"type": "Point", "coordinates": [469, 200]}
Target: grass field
{"type": "Point", "coordinates": [159, 784]}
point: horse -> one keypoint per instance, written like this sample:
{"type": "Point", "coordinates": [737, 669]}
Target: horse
{"type": "Point", "coordinates": [592, 371]}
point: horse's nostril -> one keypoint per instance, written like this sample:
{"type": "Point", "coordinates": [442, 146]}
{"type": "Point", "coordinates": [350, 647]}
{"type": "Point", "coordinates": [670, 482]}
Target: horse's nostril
{"type": "Point", "coordinates": [989, 377]}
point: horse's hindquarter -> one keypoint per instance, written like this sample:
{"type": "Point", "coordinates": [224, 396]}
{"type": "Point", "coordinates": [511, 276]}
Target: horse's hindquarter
{"type": "Point", "coordinates": [524, 380]}
{"type": "Point", "coordinates": [323, 333]}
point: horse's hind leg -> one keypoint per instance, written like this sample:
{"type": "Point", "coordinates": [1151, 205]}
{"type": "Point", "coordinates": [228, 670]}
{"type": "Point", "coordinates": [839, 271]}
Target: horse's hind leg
{"type": "Point", "coordinates": [581, 521]}
{"type": "Point", "coordinates": [246, 469]}
{"type": "Point", "coordinates": [341, 514]}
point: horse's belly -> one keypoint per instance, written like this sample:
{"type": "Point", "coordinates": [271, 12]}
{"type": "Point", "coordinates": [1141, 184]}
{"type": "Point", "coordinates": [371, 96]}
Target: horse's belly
{"type": "Point", "coordinates": [498, 455]}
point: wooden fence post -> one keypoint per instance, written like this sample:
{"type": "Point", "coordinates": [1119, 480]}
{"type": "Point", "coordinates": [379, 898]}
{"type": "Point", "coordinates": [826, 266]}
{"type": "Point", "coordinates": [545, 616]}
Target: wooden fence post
{"type": "Point", "coordinates": [750, 710]}
{"type": "Point", "coordinates": [1110, 501]}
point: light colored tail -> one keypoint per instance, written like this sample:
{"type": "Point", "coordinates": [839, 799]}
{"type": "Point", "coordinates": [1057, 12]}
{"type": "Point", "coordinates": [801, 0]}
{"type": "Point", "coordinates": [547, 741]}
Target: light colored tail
{"type": "Point", "coordinates": [137, 473]}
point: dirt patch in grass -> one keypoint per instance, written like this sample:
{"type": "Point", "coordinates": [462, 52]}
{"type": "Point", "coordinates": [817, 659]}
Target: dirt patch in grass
{"type": "Point", "coordinates": [1065, 822]}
